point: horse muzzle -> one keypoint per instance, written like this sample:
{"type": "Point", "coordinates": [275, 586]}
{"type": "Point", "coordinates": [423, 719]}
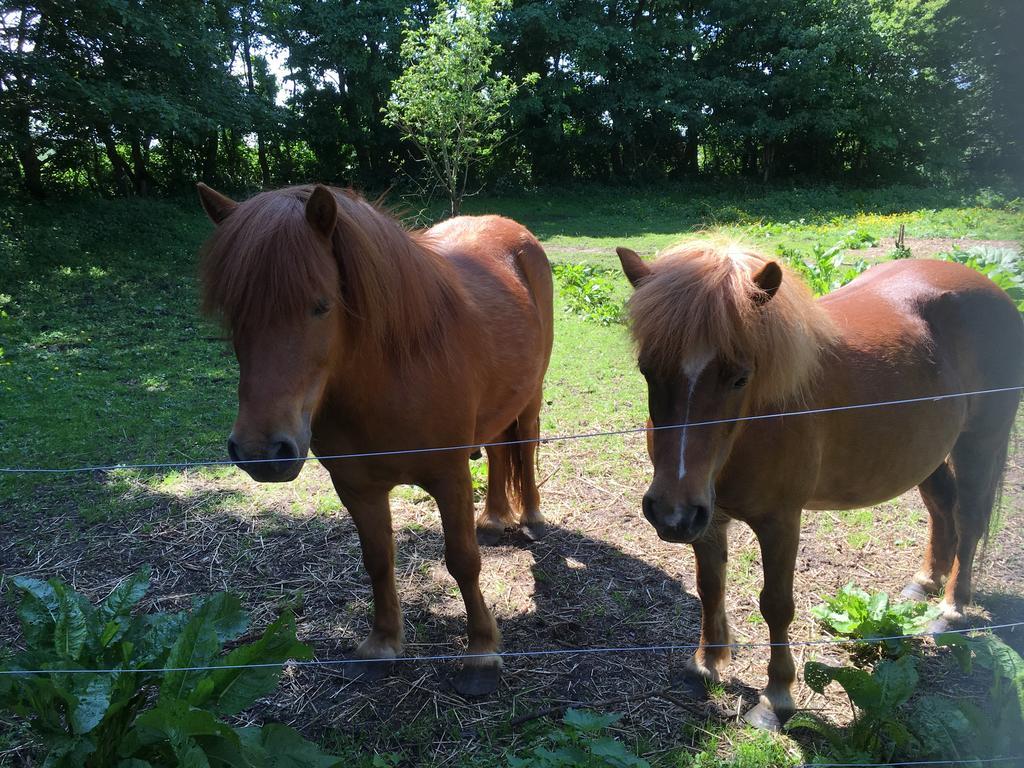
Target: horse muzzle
{"type": "Point", "coordinates": [678, 523]}
{"type": "Point", "coordinates": [276, 461]}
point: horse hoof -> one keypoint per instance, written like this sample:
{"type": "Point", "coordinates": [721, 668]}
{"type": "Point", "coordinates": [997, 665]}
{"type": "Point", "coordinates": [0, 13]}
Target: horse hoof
{"type": "Point", "coordinates": [764, 718]}
{"type": "Point", "coordinates": [488, 537]}
{"type": "Point", "coordinates": [914, 591]}
{"type": "Point", "coordinates": [534, 531]}
{"type": "Point", "coordinates": [474, 681]}
{"type": "Point", "coordinates": [367, 670]}
{"type": "Point", "coordinates": [938, 626]}
{"type": "Point", "coordinates": [691, 685]}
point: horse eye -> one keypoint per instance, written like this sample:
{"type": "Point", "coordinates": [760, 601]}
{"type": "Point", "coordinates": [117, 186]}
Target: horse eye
{"type": "Point", "coordinates": [321, 308]}
{"type": "Point", "coordinates": [740, 382]}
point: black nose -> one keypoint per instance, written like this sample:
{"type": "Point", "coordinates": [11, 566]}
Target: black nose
{"type": "Point", "coordinates": [648, 507]}
{"type": "Point", "coordinates": [278, 462]}
{"type": "Point", "coordinates": [676, 522]}
{"type": "Point", "coordinates": [283, 450]}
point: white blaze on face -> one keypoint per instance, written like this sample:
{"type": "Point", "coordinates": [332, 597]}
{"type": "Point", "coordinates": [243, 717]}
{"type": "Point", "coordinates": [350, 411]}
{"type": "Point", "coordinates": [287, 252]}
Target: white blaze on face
{"type": "Point", "coordinates": [692, 369]}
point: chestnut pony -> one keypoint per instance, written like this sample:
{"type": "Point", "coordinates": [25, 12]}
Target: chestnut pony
{"type": "Point", "coordinates": [723, 333]}
{"type": "Point", "coordinates": [354, 335]}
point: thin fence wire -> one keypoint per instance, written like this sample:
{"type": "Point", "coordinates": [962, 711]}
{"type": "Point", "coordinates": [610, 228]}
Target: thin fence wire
{"type": "Point", "coordinates": [512, 654]}
{"type": "Point", "coordinates": [547, 439]}
{"type": "Point", "coordinates": [901, 763]}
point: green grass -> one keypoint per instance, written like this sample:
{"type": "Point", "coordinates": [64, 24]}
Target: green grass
{"type": "Point", "coordinates": [104, 359]}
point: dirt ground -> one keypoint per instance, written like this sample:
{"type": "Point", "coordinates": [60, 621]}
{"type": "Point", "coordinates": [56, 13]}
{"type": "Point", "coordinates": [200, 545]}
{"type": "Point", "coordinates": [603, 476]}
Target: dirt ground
{"type": "Point", "coordinates": [600, 579]}
{"type": "Point", "coordinates": [929, 247]}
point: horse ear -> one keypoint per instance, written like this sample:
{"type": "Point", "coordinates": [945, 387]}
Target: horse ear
{"type": "Point", "coordinates": [637, 270]}
{"type": "Point", "coordinates": [768, 279]}
{"type": "Point", "coordinates": [217, 206]}
{"type": "Point", "coordinates": [322, 210]}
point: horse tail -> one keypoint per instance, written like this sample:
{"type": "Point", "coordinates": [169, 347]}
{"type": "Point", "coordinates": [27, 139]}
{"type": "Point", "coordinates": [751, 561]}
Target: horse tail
{"type": "Point", "coordinates": [518, 457]}
{"type": "Point", "coordinates": [995, 515]}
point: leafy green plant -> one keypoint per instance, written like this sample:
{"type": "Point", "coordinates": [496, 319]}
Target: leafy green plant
{"type": "Point", "coordinates": [856, 239]}
{"type": "Point", "coordinates": [824, 269]}
{"type": "Point", "coordinates": [878, 731]}
{"type": "Point", "coordinates": [580, 742]}
{"type": "Point", "coordinates": [589, 292]}
{"type": "Point", "coordinates": [1003, 266]}
{"type": "Point", "coordinates": [854, 613]}
{"type": "Point", "coordinates": [120, 709]}
{"type": "Point", "coordinates": [959, 728]}
{"type": "Point", "coordinates": [933, 727]}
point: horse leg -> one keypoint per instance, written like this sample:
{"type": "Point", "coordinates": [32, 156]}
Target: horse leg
{"type": "Point", "coordinates": [711, 552]}
{"type": "Point", "coordinates": [481, 668]}
{"type": "Point", "coordinates": [779, 537]}
{"type": "Point", "coordinates": [497, 515]}
{"type": "Point", "coordinates": [529, 429]}
{"type": "Point", "coordinates": [978, 460]}
{"type": "Point", "coordinates": [940, 497]}
{"type": "Point", "coordinates": [372, 516]}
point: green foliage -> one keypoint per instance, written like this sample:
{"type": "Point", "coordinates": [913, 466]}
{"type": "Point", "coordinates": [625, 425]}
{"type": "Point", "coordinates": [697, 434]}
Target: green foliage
{"type": "Point", "coordinates": [447, 101]}
{"type": "Point", "coordinates": [127, 713]}
{"type": "Point", "coordinates": [854, 613]}
{"type": "Point", "coordinates": [890, 722]}
{"type": "Point", "coordinates": [1003, 266]}
{"type": "Point", "coordinates": [104, 97]}
{"type": "Point", "coordinates": [879, 730]}
{"type": "Point", "coordinates": [959, 727]}
{"type": "Point", "coordinates": [580, 742]}
{"type": "Point", "coordinates": [589, 292]}
{"type": "Point", "coordinates": [824, 268]}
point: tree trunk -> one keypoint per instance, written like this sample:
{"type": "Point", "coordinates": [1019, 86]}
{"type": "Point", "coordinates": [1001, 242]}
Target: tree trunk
{"type": "Point", "coordinates": [123, 178]}
{"type": "Point", "coordinates": [24, 143]}
{"type": "Point", "coordinates": [28, 157]}
{"type": "Point", "coordinates": [209, 170]}
{"type": "Point", "coordinates": [261, 149]}
{"type": "Point", "coordinates": [767, 160]}
{"type": "Point", "coordinates": [139, 172]}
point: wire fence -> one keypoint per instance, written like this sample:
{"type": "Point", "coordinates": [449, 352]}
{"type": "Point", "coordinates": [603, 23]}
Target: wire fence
{"type": "Point", "coordinates": [553, 652]}
{"type": "Point", "coordinates": [514, 654]}
{"type": "Point", "coordinates": [547, 439]}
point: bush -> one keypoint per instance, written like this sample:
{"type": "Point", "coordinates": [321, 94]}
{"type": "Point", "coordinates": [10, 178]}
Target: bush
{"type": "Point", "coordinates": [1002, 266]}
{"type": "Point", "coordinates": [589, 292]}
{"type": "Point", "coordinates": [854, 613]}
{"type": "Point", "coordinates": [824, 269]}
{"type": "Point", "coordinates": [121, 709]}
{"type": "Point", "coordinates": [891, 722]}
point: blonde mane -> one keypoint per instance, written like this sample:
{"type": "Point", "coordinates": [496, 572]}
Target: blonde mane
{"type": "Point", "coordinates": [399, 295]}
{"type": "Point", "coordinates": [700, 300]}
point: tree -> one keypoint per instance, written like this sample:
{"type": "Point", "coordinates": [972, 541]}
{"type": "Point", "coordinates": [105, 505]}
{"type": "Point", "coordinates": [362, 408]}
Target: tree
{"type": "Point", "coordinates": [447, 101]}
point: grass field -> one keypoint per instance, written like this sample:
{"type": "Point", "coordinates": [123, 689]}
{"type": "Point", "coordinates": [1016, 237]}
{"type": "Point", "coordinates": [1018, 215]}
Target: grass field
{"type": "Point", "coordinates": [104, 360]}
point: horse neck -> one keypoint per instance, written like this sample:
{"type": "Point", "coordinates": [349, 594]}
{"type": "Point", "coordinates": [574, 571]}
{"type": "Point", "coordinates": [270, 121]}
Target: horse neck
{"type": "Point", "coordinates": [406, 305]}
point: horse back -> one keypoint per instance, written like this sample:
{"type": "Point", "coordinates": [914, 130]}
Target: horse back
{"type": "Point", "coordinates": [937, 313]}
{"type": "Point", "coordinates": [502, 265]}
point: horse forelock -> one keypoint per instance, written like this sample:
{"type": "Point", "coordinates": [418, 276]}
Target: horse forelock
{"type": "Point", "coordinates": [265, 263]}
{"type": "Point", "coordinates": [700, 301]}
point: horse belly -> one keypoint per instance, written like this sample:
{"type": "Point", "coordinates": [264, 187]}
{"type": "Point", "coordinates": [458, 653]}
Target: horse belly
{"type": "Point", "coordinates": [881, 455]}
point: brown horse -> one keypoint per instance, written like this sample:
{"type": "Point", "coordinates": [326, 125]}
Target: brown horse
{"type": "Point", "coordinates": [724, 333]}
{"type": "Point", "coordinates": [354, 335]}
